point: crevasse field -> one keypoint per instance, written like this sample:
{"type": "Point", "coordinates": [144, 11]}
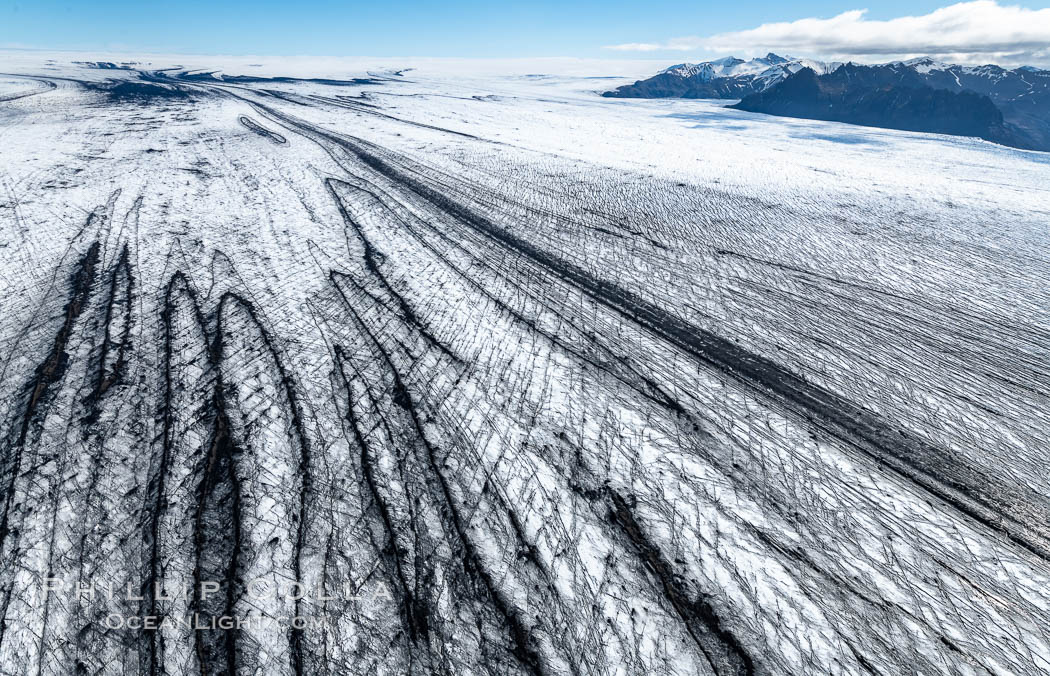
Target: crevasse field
{"type": "Point", "coordinates": [482, 373]}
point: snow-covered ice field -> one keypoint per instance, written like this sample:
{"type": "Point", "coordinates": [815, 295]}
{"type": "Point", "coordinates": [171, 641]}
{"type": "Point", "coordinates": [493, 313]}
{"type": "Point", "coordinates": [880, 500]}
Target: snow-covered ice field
{"type": "Point", "coordinates": [506, 377]}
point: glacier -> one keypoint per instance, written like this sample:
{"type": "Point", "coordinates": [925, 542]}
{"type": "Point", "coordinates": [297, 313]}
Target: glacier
{"type": "Point", "coordinates": [440, 371]}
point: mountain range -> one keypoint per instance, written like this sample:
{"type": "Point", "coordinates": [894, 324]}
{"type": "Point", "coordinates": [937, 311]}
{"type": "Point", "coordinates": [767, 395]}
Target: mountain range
{"type": "Point", "coordinates": [728, 78]}
{"type": "Point", "coordinates": [1011, 107]}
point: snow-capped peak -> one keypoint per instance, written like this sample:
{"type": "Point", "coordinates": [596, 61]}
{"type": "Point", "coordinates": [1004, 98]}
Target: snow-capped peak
{"type": "Point", "coordinates": [764, 71]}
{"type": "Point", "coordinates": [924, 64]}
{"type": "Point", "coordinates": [704, 71]}
{"type": "Point", "coordinates": [731, 66]}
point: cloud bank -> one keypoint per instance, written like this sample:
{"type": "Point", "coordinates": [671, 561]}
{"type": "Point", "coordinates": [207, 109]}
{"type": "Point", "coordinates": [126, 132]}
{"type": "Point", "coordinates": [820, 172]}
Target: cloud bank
{"type": "Point", "coordinates": [982, 31]}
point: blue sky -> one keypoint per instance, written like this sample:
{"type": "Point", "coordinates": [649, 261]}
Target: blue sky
{"type": "Point", "coordinates": [464, 28]}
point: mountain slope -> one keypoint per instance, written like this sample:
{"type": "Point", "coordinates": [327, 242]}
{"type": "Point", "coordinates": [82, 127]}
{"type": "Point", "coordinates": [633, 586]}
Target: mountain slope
{"type": "Point", "coordinates": [859, 95]}
{"type": "Point", "coordinates": [1022, 95]}
{"type": "Point", "coordinates": [722, 79]}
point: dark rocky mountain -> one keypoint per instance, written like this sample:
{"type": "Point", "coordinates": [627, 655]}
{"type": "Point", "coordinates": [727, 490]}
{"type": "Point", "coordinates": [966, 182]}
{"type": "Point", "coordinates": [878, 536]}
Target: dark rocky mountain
{"type": "Point", "coordinates": [668, 85]}
{"type": "Point", "coordinates": [897, 96]}
{"type": "Point", "coordinates": [728, 78]}
{"type": "Point", "coordinates": [1022, 94]}
{"type": "Point", "coordinates": [919, 95]}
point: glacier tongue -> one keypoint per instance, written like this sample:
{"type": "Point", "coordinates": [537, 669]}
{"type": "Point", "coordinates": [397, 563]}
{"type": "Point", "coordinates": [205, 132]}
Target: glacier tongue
{"type": "Point", "coordinates": [414, 373]}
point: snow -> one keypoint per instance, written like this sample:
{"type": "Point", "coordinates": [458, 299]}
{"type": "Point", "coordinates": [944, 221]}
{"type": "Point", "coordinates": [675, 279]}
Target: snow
{"type": "Point", "coordinates": [769, 69]}
{"type": "Point", "coordinates": [421, 334]}
{"type": "Point", "coordinates": [925, 64]}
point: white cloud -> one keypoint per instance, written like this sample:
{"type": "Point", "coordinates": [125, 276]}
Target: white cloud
{"type": "Point", "coordinates": [979, 31]}
{"type": "Point", "coordinates": [674, 44]}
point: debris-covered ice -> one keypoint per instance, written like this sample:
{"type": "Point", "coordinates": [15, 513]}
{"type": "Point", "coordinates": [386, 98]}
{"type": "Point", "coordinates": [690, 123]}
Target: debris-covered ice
{"type": "Point", "coordinates": [401, 372]}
